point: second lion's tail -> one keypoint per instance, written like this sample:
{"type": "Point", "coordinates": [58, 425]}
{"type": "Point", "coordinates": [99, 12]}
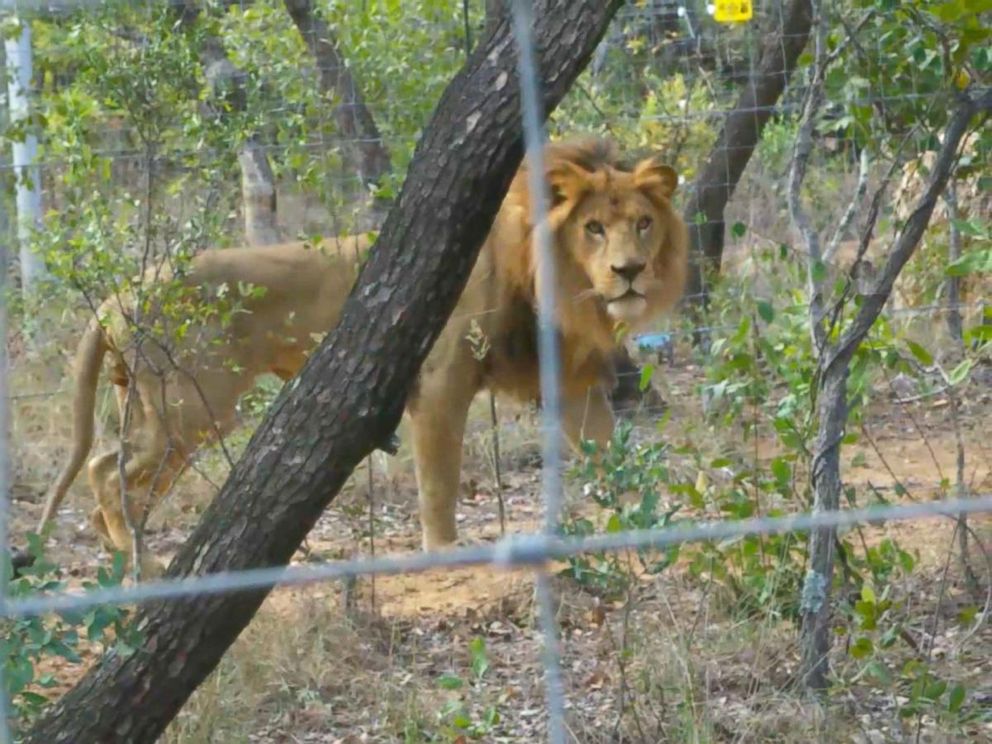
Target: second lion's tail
{"type": "Point", "coordinates": [89, 356]}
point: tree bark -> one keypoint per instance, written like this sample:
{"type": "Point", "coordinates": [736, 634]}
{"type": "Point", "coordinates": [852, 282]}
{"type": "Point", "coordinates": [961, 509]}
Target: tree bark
{"type": "Point", "coordinates": [742, 130]}
{"type": "Point", "coordinates": [350, 395]}
{"type": "Point", "coordinates": [364, 149]}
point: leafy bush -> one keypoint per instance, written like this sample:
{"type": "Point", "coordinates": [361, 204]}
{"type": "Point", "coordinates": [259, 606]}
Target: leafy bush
{"type": "Point", "coordinates": [626, 480]}
{"type": "Point", "coordinates": [29, 641]}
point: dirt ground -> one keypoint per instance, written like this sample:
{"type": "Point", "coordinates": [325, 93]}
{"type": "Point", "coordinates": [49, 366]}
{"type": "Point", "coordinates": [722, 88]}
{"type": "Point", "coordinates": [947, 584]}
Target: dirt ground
{"type": "Point", "coordinates": [669, 662]}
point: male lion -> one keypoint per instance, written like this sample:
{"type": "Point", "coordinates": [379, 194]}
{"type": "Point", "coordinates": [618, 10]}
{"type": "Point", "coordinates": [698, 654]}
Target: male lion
{"type": "Point", "coordinates": [621, 258]}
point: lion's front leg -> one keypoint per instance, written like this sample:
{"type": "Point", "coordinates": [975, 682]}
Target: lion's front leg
{"type": "Point", "coordinates": [437, 426]}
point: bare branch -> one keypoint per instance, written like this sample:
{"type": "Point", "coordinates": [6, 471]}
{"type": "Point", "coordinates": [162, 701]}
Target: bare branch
{"type": "Point", "coordinates": [812, 102]}
{"type": "Point", "coordinates": [852, 208]}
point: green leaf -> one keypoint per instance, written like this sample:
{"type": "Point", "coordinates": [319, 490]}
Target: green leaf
{"type": "Point", "coordinates": [956, 699]}
{"type": "Point", "coordinates": [960, 373]}
{"type": "Point", "coordinates": [738, 229]}
{"type": "Point", "coordinates": [781, 470]}
{"type": "Point", "coordinates": [906, 561]}
{"type": "Point", "coordinates": [879, 671]}
{"type": "Point", "coordinates": [766, 311]}
{"type": "Point", "coordinates": [973, 262]}
{"type": "Point", "coordinates": [480, 663]}
{"type": "Point", "coordinates": [935, 690]}
{"type": "Point", "coordinates": [862, 648]}
{"type": "Point", "coordinates": [647, 372]}
{"type": "Point", "coordinates": [967, 615]}
{"type": "Point", "coordinates": [923, 356]}
{"type": "Point", "coordinates": [34, 699]}
{"type": "Point", "coordinates": [450, 682]}
{"type": "Point", "coordinates": [868, 594]}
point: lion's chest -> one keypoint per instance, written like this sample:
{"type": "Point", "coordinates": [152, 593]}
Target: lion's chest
{"type": "Point", "coordinates": [512, 365]}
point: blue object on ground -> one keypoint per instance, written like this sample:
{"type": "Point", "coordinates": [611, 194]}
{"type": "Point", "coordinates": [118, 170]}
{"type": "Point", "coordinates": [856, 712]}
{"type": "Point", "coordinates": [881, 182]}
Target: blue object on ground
{"type": "Point", "coordinates": [654, 342]}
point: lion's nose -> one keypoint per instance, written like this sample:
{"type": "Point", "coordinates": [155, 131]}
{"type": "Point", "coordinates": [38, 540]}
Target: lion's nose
{"type": "Point", "coordinates": [629, 270]}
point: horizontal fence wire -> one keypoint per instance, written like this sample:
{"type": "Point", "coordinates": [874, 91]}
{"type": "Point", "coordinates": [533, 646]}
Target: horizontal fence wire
{"type": "Point", "coordinates": [527, 550]}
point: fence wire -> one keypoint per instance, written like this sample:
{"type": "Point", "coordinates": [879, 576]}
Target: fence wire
{"type": "Point", "coordinates": [692, 46]}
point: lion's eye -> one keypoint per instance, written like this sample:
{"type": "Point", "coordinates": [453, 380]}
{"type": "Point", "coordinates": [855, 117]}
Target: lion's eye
{"type": "Point", "coordinates": [643, 224]}
{"type": "Point", "coordinates": [594, 227]}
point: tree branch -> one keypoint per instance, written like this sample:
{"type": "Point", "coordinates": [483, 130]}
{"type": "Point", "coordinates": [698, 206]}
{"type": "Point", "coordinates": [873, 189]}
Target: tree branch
{"type": "Point", "coordinates": [732, 151]}
{"type": "Point", "coordinates": [852, 208]}
{"type": "Point", "coordinates": [812, 103]}
{"type": "Point", "coordinates": [364, 149]}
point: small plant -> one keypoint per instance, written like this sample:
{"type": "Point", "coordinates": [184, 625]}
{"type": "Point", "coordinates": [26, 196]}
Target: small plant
{"type": "Point", "coordinates": [877, 627]}
{"type": "Point", "coordinates": [458, 718]}
{"type": "Point", "coordinates": [27, 642]}
{"type": "Point", "coordinates": [626, 480]}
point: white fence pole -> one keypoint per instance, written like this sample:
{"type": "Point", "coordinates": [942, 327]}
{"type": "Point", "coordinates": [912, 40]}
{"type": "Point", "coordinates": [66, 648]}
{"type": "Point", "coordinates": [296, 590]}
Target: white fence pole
{"type": "Point", "coordinates": [25, 154]}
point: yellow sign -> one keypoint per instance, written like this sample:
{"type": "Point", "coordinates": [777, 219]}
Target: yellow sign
{"type": "Point", "coordinates": [732, 11]}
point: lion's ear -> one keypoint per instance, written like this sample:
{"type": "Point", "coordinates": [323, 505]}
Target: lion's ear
{"type": "Point", "coordinates": [653, 175]}
{"type": "Point", "coordinates": [567, 182]}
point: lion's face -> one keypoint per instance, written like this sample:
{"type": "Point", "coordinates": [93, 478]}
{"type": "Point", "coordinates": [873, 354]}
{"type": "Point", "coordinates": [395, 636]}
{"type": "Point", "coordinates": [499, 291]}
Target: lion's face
{"type": "Point", "coordinates": [625, 243]}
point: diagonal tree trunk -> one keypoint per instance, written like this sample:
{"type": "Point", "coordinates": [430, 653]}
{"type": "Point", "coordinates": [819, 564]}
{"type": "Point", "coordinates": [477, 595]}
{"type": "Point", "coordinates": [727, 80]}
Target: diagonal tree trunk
{"type": "Point", "coordinates": [350, 395]}
{"type": "Point", "coordinates": [364, 149]}
{"type": "Point", "coordinates": [742, 130]}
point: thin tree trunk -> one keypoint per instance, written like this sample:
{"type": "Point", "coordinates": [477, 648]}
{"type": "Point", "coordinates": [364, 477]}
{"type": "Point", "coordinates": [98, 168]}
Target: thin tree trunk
{"type": "Point", "coordinates": [733, 149]}
{"type": "Point", "coordinates": [363, 145]}
{"type": "Point", "coordinates": [952, 286]}
{"type": "Point", "coordinates": [258, 186]}
{"type": "Point", "coordinates": [834, 367]}
{"type": "Point", "coordinates": [350, 395]}
{"type": "Point", "coordinates": [258, 195]}
{"type": "Point", "coordinates": [24, 156]}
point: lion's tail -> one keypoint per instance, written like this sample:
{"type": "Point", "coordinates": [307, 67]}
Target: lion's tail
{"type": "Point", "coordinates": [89, 356]}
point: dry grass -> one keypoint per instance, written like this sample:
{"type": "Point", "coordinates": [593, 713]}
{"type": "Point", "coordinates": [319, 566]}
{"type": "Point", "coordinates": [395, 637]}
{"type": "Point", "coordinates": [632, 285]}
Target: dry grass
{"type": "Point", "coordinates": [303, 666]}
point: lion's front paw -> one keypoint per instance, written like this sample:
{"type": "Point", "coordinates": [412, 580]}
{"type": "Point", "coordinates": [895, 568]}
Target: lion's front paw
{"type": "Point", "coordinates": [431, 545]}
{"type": "Point", "coordinates": [436, 544]}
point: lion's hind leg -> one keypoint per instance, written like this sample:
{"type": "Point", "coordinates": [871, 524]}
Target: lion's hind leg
{"type": "Point", "coordinates": [99, 525]}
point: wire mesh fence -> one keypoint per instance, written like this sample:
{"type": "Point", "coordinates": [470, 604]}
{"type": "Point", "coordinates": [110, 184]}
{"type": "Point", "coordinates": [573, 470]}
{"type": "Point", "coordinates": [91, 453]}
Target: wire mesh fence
{"type": "Point", "coordinates": [166, 129]}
